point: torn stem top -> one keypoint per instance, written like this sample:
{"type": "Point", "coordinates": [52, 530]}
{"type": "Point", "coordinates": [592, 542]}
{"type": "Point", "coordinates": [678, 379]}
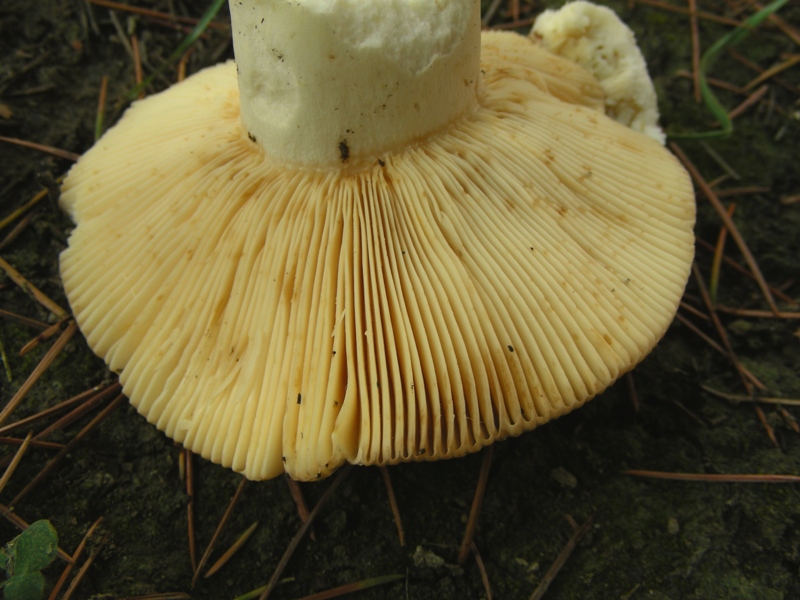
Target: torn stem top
{"type": "Point", "coordinates": [325, 84]}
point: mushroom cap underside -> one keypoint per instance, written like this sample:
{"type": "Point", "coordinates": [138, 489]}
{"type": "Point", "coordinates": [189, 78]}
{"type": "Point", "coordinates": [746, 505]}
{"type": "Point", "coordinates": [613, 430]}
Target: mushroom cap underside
{"type": "Point", "coordinates": [464, 289]}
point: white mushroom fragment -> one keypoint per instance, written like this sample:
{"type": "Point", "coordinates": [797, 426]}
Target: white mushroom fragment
{"type": "Point", "coordinates": [388, 248]}
{"type": "Point", "coordinates": [594, 37]}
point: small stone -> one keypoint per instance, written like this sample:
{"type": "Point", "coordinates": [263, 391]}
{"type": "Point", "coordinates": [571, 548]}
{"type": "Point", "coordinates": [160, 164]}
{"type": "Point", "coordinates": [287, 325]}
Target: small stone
{"type": "Point", "coordinates": [521, 562]}
{"type": "Point", "coordinates": [564, 477]}
{"type": "Point", "coordinates": [672, 526]}
{"type": "Point", "coordinates": [426, 558]}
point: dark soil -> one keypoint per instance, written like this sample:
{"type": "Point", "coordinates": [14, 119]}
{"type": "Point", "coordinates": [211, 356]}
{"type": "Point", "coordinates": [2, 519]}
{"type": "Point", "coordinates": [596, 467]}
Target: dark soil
{"type": "Point", "coordinates": [650, 538]}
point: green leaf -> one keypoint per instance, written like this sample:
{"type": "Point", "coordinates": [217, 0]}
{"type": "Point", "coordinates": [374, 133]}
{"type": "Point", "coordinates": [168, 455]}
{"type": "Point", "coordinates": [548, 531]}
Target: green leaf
{"type": "Point", "coordinates": [33, 549]}
{"type": "Point", "coordinates": [25, 586]}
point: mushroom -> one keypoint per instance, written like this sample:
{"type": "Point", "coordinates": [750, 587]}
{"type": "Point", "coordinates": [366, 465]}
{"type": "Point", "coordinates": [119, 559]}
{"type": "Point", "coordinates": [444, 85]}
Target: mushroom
{"type": "Point", "coordinates": [397, 239]}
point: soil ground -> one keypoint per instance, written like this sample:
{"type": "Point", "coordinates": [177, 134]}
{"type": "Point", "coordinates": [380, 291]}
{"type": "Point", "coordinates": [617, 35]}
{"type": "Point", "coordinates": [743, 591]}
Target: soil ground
{"type": "Point", "coordinates": [650, 538]}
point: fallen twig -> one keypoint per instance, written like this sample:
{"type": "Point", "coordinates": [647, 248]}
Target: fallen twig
{"type": "Point", "coordinates": [561, 560]}
{"type": "Point", "coordinates": [714, 478]}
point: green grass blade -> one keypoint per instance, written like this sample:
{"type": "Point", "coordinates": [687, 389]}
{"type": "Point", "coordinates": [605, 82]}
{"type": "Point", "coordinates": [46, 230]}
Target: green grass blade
{"type": "Point", "coordinates": [726, 41]}
{"type": "Point", "coordinates": [190, 39]}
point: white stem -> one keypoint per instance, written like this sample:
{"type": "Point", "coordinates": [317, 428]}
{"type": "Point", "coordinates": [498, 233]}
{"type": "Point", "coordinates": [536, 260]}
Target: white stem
{"type": "Point", "coordinates": [327, 82]}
